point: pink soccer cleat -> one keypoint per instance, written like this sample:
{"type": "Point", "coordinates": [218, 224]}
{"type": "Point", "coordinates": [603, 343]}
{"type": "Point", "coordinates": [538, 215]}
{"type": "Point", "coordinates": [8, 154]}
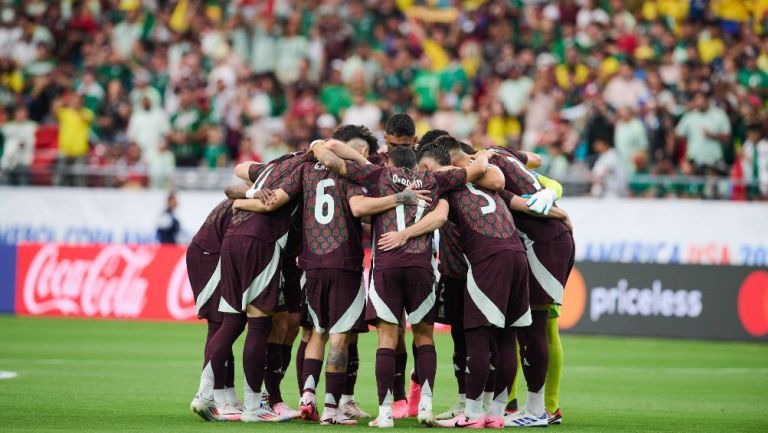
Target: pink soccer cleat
{"type": "Point", "coordinates": [494, 422]}
{"type": "Point", "coordinates": [400, 409]}
{"type": "Point", "coordinates": [283, 410]}
{"type": "Point", "coordinates": [462, 421]}
{"type": "Point", "coordinates": [414, 396]}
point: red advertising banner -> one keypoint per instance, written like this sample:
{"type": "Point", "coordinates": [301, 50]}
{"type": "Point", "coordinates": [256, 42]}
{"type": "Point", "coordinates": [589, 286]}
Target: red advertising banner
{"type": "Point", "coordinates": [104, 281]}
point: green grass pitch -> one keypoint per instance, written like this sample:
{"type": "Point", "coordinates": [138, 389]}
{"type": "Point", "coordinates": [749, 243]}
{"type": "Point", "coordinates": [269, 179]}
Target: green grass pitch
{"type": "Point", "coordinates": [91, 375]}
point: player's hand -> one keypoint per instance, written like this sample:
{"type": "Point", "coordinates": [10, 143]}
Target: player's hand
{"type": "Point", "coordinates": [542, 201]}
{"type": "Point", "coordinates": [410, 196]}
{"type": "Point", "coordinates": [391, 240]}
{"type": "Point", "coordinates": [266, 196]}
{"type": "Point", "coordinates": [237, 205]}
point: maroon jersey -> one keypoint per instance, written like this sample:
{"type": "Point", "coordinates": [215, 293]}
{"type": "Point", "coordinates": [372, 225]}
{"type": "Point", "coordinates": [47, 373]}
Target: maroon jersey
{"type": "Point", "coordinates": [452, 263]}
{"type": "Point", "coordinates": [332, 235]}
{"type": "Point", "coordinates": [215, 227]}
{"type": "Point", "coordinates": [379, 159]}
{"type": "Point", "coordinates": [384, 181]}
{"type": "Point", "coordinates": [484, 222]}
{"type": "Point", "coordinates": [269, 227]}
{"type": "Point", "coordinates": [520, 180]}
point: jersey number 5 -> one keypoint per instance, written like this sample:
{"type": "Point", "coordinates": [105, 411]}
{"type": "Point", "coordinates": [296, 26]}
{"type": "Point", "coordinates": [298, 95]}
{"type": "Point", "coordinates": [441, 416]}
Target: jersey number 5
{"type": "Point", "coordinates": [490, 207]}
{"type": "Point", "coordinates": [324, 204]}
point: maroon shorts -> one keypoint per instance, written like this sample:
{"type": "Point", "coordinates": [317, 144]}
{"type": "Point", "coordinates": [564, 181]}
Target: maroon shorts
{"type": "Point", "coordinates": [450, 301]}
{"type": "Point", "coordinates": [205, 279]}
{"type": "Point", "coordinates": [395, 290]}
{"type": "Point", "coordinates": [290, 286]}
{"type": "Point", "coordinates": [549, 264]}
{"type": "Point", "coordinates": [334, 299]}
{"type": "Point", "coordinates": [497, 292]}
{"type": "Point", "coordinates": [250, 274]}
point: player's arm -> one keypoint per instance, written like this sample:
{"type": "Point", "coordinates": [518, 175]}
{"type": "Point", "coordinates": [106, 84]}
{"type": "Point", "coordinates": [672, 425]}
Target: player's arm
{"type": "Point", "coordinates": [241, 170]}
{"type": "Point", "coordinates": [551, 184]}
{"type": "Point", "coordinates": [493, 179]}
{"type": "Point", "coordinates": [533, 160]}
{"type": "Point", "coordinates": [263, 203]}
{"type": "Point", "coordinates": [330, 160]}
{"type": "Point", "coordinates": [519, 204]}
{"type": "Point", "coordinates": [429, 223]}
{"type": "Point", "coordinates": [236, 191]}
{"type": "Point", "coordinates": [344, 152]}
{"type": "Point", "coordinates": [478, 167]}
{"type": "Point", "coordinates": [541, 202]}
{"type": "Point", "coordinates": [363, 206]}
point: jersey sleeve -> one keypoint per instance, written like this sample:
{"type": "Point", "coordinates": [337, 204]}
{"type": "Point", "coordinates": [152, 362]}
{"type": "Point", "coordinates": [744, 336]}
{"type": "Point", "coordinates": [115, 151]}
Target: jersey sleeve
{"type": "Point", "coordinates": [367, 175]}
{"type": "Point", "coordinates": [506, 196]}
{"type": "Point", "coordinates": [352, 189]}
{"type": "Point", "coordinates": [450, 180]}
{"type": "Point", "coordinates": [253, 171]}
{"type": "Point", "coordinates": [292, 185]}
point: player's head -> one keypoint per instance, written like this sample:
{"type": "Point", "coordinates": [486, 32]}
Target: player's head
{"type": "Point", "coordinates": [400, 131]}
{"type": "Point", "coordinates": [469, 150]}
{"type": "Point", "coordinates": [432, 157]}
{"type": "Point", "coordinates": [454, 148]}
{"type": "Point", "coordinates": [347, 133]}
{"type": "Point", "coordinates": [360, 146]}
{"type": "Point", "coordinates": [431, 135]}
{"type": "Point", "coordinates": [402, 157]}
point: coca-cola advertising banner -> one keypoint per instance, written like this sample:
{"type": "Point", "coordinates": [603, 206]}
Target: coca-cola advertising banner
{"type": "Point", "coordinates": [103, 281]}
{"type": "Point", "coordinates": [688, 301]}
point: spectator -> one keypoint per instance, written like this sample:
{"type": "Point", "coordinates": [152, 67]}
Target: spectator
{"type": "Point", "coordinates": [74, 128]}
{"type": "Point", "coordinates": [18, 146]}
{"type": "Point", "coordinates": [515, 91]}
{"type": "Point", "coordinates": [754, 161]}
{"type": "Point", "coordinates": [625, 90]}
{"type": "Point", "coordinates": [147, 128]}
{"type": "Point", "coordinates": [215, 154]}
{"type": "Point", "coordinates": [706, 130]}
{"type": "Point", "coordinates": [161, 167]}
{"type": "Point", "coordinates": [362, 112]}
{"type": "Point", "coordinates": [608, 174]}
{"type": "Point", "coordinates": [168, 226]}
{"type": "Point", "coordinates": [630, 138]}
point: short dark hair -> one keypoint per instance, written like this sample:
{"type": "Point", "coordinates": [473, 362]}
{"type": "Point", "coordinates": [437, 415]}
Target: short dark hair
{"type": "Point", "coordinates": [448, 143]}
{"type": "Point", "coordinates": [434, 151]}
{"type": "Point", "coordinates": [350, 132]}
{"type": "Point", "coordinates": [431, 135]}
{"type": "Point", "coordinates": [469, 150]}
{"type": "Point", "coordinates": [400, 125]}
{"type": "Point", "coordinates": [403, 157]}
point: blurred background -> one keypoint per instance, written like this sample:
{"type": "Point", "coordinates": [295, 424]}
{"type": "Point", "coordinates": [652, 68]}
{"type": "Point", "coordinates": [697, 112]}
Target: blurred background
{"type": "Point", "coordinates": [652, 113]}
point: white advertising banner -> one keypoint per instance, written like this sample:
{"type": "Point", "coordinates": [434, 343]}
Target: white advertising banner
{"type": "Point", "coordinates": [618, 230]}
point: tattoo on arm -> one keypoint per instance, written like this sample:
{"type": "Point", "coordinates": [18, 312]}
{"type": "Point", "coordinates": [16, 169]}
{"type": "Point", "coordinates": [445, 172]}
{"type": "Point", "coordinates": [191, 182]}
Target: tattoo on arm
{"type": "Point", "coordinates": [406, 197]}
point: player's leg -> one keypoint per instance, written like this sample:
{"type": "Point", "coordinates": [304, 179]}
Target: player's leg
{"type": "Point", "coordinates": [335, 380]}
{"type": "Point", "coordinates": [490, 384]}
{"type": "Point", "coordinates": [535, 358]}
{"type": "Point", "coordinates": [306, 333]}
{"type": "Point", "coordinates": [277, 363]}
{"type": "Point", "coordinates": [452, 295]}
{"type": "Point", "coordinates": [385, 372]}
{"type": "Point", "coordinates": [313, 365]}
{"type": "Point", "coordinates": [414, 390]}
{"type": "Point", "coordinates": [506, 370]}
{"type": "Point", "coordinates": [400, 405]}
{"type": "Point", "coordinates": [231, 404]}
{"type": "Point", "coordinates": [426, 367]}
{"type": "Point", "coordinates": [512, 400]}
{"type": "Point", "coordinates": [554, 369]}
{"type": "Point", "coordinates": [349, 405]}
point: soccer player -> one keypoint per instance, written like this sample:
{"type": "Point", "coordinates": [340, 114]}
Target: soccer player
{"type": "Point", "coordinates": [250, 265]}
{"type": "Point", "coordinates": [403, 279]}
{"type": "Point", "coordinates": [496, 295]}
{"type": "Point", "coordinates": [550, 252]}
{"type": "Point", "coordinates": [332, 258]}
{"type": "Point", "coordinates": [204, 270]}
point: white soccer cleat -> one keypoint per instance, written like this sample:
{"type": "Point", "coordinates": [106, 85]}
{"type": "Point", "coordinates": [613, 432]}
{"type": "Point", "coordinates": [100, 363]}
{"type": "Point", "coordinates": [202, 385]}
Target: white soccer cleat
{"type": "Point", "coordinates": [456, 410]}
{"type": "Point", "coordinates": [382, 422]}
{"type": "Point", "coordinates": [206, 408]}
{"type": "Point", "coordinates": [228, 412]}
{"type": "Point", "coordinates": [262, 413]}
{"type": "Point", "coordinates": [337, 419]}
{"type": "Point", "coordinates": [282, 409]}
{"type": "Point", "coordinates": [426, 418]}
{"type": "Point", "coordinates": [352, 410]}
{"type": "Point", "coordinates": [525, 419]}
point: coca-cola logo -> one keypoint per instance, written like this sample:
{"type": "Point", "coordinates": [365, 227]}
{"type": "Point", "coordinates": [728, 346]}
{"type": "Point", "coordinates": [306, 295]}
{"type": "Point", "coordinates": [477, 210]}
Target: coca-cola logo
{"type": "Point", "coordinates": [110, 284]}
{"type": "Point", "coordinates": [179, 297]}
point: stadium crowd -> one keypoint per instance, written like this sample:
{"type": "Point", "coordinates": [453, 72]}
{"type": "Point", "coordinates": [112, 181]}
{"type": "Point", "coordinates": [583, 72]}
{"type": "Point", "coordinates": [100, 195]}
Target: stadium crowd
{"type": "Point", "coordinates": [641, 98]}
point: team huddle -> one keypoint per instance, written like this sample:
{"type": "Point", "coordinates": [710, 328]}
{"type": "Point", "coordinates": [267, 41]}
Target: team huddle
{"type": "Point", "coordinates": [469, 239]}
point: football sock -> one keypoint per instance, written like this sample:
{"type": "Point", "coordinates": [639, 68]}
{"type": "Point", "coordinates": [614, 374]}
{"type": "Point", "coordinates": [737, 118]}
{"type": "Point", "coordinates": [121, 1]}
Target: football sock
{"type": "Point", "coordinates": [385, 372]}
{"type": "Point", "coordinates": [274, 373]}
{"type": "Point", "coordinates": [554, 368]}
{"type": "Point", "coordinates": [398, 390]}
{"type": "Point", "coordinates": [534, 403]}
{"type": "Point", "coordinates": [512, 401]}
{"type": "Point", "coordinates": [212, 328]}
{"type": "Point", "coordinates": [490, 384]}
{"type": "Point", "coordinates": [220, 346]}
{"type": "Point", "coordinates": [478, 362]}
{"type": "Point", "coordinates": [229, 374]}
{"type": "Point", "coordinates": [300, 365]}
{"type": "Point", "coordinates": [334, 386]}
{"type": "Point", "coordinates": [533, 351]}
{"type": "Point", "coordinates": [353, 363]}
{"type": "Point", "coordinates": [286, 350]}
{"type": "Point", "coordinates": [311, 377]}
{"type": "Point", "coordinates": [459, 356]}
{"type": "Point", "coordinates": [415, 371]}
{"type": "Point", "coordinates": [255, 354]}
{"type": "Point", "coordinates": [506, 367]}
{"type": "Point", "coordinates": [426, 367]}
{"type": "Point", "coordinates": [474, 409]}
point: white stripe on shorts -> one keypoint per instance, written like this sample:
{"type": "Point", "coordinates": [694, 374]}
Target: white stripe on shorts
{"type": "Point", "coordinates": [379, 305]}
{"type": "Point", "coordinates": [349, 318]}
{"type": "Point", "coordinates": [525, 320]}
{"type": "Point", "coordinates": [262, 280]}
{"type": "Point", "coordinates": [209, 288]}
{"type": "Point", "coordinates": [224, 307]}
{"type": "Point", "coordinates": [547, 281]}
{"type": "Point", "coordinates": [483, 303]}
